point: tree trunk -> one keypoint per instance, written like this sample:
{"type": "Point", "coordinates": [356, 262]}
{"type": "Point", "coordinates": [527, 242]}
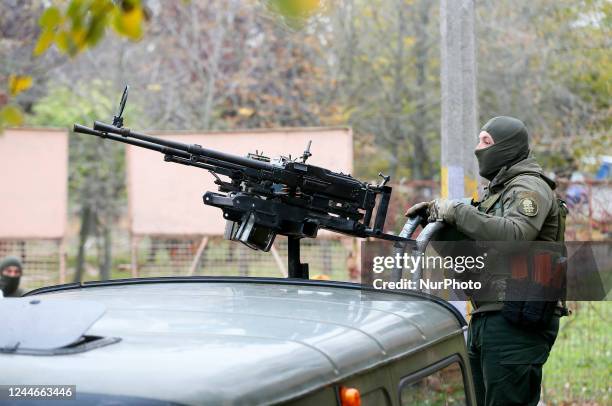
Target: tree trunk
{"type": "Point", "coordinates": [106, 263]}
{"type": "Point", "coordinates": [83, 234]}
{"type": "Point", "coordinates": [421, 167]}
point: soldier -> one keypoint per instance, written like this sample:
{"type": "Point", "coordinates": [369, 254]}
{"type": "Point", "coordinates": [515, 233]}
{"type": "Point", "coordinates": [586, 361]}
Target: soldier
{"type": "Point", "coordinates": [10, 274]}
{"type": "Point", "coordinates": [519, 204]}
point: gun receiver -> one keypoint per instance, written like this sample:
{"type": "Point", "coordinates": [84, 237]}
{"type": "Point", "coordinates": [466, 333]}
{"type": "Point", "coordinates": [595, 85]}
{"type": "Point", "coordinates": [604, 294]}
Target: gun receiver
{"type": "Point", "coordinates": [264, 197]}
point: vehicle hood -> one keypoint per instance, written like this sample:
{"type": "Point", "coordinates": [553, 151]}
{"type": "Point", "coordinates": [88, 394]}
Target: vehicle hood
{"type": "Point", "coordinates": [233, 343]}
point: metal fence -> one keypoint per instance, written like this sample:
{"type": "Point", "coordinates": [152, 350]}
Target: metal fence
{"type": "Point", "coordinates": [40, 260]}
{"type": "Point", "coordinates": [333, 259]}
{"type": "Point", "coordinates": [579, 368]}
{"type": "Point", "coordinates": [327, 258]}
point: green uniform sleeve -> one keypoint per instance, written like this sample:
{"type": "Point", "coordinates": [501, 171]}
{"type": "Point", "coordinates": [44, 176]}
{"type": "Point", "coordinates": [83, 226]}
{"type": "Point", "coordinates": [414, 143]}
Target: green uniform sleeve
{"type": "Point", "coordinates": [526, 202]}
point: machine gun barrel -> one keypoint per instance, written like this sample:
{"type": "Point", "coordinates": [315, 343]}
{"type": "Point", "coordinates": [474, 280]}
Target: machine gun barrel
{"type": "Point", "coordinates": [143, 144]}
{"type": "Point", "coordinates": [190, 149]}
{"type": "Point", "coordinates": [308, 178]}
{"type": "Point", "coordinates": [170, 154]}
{"type": "Point", "coordinates": [319, 179]}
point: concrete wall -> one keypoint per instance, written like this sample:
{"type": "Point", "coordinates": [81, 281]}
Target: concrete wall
{"type": "Point", "coordinates": [33, 183]}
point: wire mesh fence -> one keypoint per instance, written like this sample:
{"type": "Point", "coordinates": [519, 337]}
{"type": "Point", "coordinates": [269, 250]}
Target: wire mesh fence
{"type": "Point", "coordinates": [327, 258]}
{"type": "Point", "coordinates": [579, 368]}
{"type": "Point", "coordinates": [40, 260]}
{"type": "Point", "coordinates": [333, 259]}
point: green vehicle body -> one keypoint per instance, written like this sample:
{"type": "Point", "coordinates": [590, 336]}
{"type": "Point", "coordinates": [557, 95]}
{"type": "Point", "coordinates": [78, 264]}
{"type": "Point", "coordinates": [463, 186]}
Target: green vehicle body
{"type": "Point", "coordinates": [255, 341]}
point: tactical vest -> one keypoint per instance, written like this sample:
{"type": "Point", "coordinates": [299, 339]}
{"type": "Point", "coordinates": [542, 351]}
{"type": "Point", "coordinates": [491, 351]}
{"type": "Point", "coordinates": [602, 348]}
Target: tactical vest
{"type": "Point", "coordinates": [530, 314]}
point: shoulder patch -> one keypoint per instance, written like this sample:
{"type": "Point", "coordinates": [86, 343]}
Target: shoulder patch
{"type": "Point", "coordinates": [528, 206]}
{"type": "Point", "coordinates": [527, 194]}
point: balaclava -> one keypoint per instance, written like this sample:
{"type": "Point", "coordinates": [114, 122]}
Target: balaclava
{"type": "Point", "coordinates": [9, 284]}
{"type": "Point", "coordinates": [511, 145]}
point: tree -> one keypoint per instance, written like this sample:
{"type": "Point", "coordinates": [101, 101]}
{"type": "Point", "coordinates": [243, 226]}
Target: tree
{"type": "Point", "coordinates": [547, 63]}
{"type": "Point", "coordinates": [96, 181]}
{"type": "Point", "coordinates": [29, 30]}
{"type": "Point", "coordinates": [19, 69]}
{"type": "Point", "coordinates": [388, 82]}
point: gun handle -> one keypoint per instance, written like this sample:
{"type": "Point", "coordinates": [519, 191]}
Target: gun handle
{"type": "Point", "coordinates": [410, 226]}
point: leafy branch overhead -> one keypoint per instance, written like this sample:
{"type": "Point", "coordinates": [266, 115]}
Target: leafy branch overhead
{"type": "Point", "coordinates": [83, 24]}
{"type": "Point", "coordinates": [72, 29]}
{"type": "Point", "coordinates": [295, 13]}
{"type": "Point", "coordinates": [10, 114]}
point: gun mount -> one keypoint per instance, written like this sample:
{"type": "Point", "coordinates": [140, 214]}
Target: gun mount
{"type": "Point", "coordinates": [263, 197]}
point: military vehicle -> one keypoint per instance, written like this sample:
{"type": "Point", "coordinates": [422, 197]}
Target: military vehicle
{"type": "Point", "coordinates": [235, 341]}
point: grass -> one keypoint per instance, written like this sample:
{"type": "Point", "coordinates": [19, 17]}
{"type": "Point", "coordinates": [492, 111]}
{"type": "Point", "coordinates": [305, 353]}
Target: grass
{"type": "Point", "coordinates": [579, 368]}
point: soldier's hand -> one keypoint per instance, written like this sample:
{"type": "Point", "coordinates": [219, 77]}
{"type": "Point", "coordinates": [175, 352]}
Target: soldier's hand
{"type": "Point", "coordinates": [443, 210]}
{"type": "Point", "coordinates": [419, 209]}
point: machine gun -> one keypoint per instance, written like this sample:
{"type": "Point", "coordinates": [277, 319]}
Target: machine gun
{"type": "Point", "coordinates": [264, 197]}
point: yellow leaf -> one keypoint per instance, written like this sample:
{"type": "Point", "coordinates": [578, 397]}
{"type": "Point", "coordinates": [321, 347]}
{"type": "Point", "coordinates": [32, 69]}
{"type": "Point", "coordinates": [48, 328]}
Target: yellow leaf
{"type": "Point", "coordinates": [154, 87]}
{"type": "Point", "coordinates": [309, 7]}
{"type": "Point", "coordinates": [50, 18]}
{"type": "Point", "coordinates": [79, 37]}
{"type": "Point", "coordinates": [245, 111]}
{"type": "Point", "coordinates": [62, 41]}
{"type": "Point", "coordinates": [129, 22]}
{"type": "Point", "coordinates": [44, 41]}
{"type": "Point", "coordinates": [409, 41]}
{"type": "Point", "coordinates": [11, 115]}
{"type": "Point", "coordinates": [295, 8]}
{"type": "Point", "coordinates": [18, 84]}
